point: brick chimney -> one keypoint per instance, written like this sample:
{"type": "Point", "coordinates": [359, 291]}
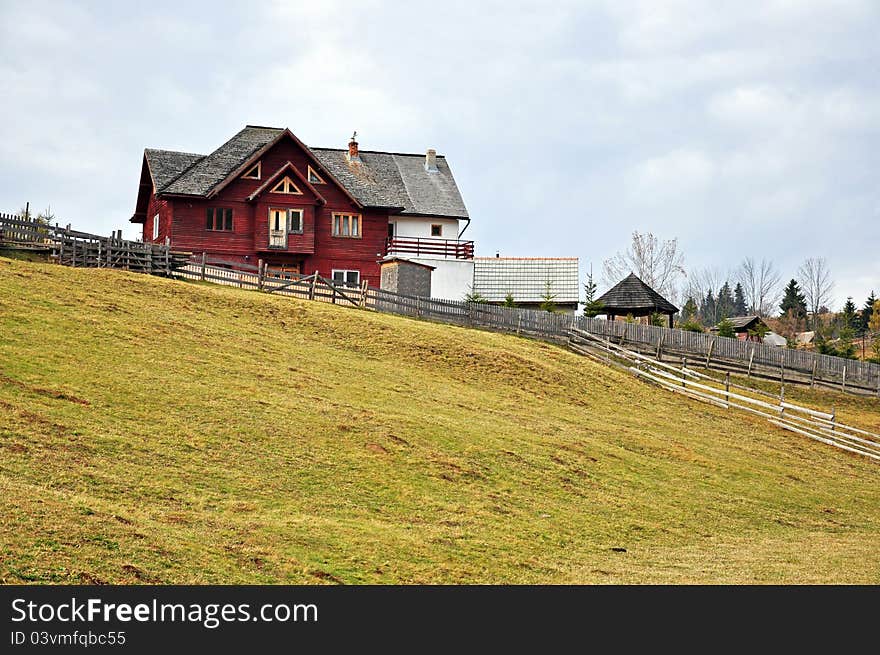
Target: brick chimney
{"type": "Point", "coordinates": [431, 161]}
{"type": "Point", "coordinates": [353, 154]}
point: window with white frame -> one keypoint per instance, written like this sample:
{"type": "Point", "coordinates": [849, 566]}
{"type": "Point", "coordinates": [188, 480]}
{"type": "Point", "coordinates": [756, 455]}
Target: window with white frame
{"type": "Point", "coordinates": [155, 227]}
{"type": "Point", "coordinates": [347, 225]}
{"type": "Point", "coordinates": [346, 278]}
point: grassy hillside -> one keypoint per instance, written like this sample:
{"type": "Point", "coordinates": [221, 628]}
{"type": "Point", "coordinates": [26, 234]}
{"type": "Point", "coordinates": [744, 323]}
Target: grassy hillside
{"type": "Point", "coordinates": [162, 431]}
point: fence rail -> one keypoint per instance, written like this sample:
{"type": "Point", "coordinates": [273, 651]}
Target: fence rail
{"type": "Point", "coordinates": [82, 249]}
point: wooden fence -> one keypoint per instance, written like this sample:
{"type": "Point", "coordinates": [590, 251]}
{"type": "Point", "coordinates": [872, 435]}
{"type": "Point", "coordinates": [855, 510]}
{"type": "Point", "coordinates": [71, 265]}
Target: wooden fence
{"type": "Point", "coordinates": [73, 248]}
{"type": "Point", "coordinates": [710, 351]}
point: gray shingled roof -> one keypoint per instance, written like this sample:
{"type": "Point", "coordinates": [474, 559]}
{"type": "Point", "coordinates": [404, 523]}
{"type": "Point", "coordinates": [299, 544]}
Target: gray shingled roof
{"type": "Point", "coordinates": [632, 295]}
{"type": "Point", "coordinates": [167, 165]}
{"type": "Point", "coordinates": [525, 278]}
{"type": "Point", "coordinates": [214, 168]}
{"type": "Point", "coordinates": [382, 179]}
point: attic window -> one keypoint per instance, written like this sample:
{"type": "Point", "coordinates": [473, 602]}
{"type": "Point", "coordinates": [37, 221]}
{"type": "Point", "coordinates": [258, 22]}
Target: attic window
{"type": "Point", "coordinates": [287, 186]}
{"type": "Point", "coordinates": [254, 172]}
{"type": "Point", "coordinates": [314, 178]}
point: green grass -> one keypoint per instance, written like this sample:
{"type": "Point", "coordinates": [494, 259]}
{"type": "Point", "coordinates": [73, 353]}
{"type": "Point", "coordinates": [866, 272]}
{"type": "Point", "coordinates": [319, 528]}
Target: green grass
{"type": "Point", "coordinates": [159, 431]}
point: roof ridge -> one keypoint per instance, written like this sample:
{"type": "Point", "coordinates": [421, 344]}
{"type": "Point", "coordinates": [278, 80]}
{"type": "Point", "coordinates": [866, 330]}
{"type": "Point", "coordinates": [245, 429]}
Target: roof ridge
{"type": "Point", "coordinates": [376, 152]}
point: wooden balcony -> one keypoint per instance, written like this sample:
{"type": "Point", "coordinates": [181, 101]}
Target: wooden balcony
{"type": "Point", "coordinates": [429, 247]}
{"type": "Point", "coordinates": [278, 239]}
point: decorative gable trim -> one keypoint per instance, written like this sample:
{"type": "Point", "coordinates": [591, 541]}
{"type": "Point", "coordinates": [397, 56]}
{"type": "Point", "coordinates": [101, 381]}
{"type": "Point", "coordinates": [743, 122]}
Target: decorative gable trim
{"type": "Point", "coordinates": [259, 154]}
{"type": "Point", "coordinates": [254, 173]}
{"type": "Point", "coordinates": [288, 167]}
{"type": "Point", "coordinates": [313, 176]}
{"type": "Point", "coordinates": [286, 185]}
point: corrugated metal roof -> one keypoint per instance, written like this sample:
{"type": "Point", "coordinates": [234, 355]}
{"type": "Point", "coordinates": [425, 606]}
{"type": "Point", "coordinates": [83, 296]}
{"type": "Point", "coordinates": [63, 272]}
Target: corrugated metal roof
{"type": "Point", "coordinates": [525, 278]}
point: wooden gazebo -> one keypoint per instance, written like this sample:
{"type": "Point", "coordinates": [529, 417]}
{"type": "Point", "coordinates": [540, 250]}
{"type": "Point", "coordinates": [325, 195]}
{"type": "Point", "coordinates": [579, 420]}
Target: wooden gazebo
{"type": "Point", "coordinates": [632, 296]}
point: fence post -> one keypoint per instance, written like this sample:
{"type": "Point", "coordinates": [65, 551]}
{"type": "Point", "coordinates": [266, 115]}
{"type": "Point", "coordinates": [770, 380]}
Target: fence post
{"type": "Point", "coordinates": [727, 388]}
{"type": "Point", "coordinates": [260, 274]}
{"type": "Point", "coordinates": [312, 286]}
{"type": "Point", "coordinates": [843, 383]}
{"type": "Point", "coordinates": [168, 256]}
{"type": "Point", "coordinates": [813, 374]}
{"type": "Point", "coordinates": [709, 353]}
{"type": "Point", "coordinates": [751, 358]}
{"type": "Point", "coordinates": [204, 260]}
{"type": "Point", "coordinates": [660, 348]}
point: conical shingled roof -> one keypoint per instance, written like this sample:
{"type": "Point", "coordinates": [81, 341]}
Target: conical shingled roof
{"type": "Point", "coordinates": [633, 295]}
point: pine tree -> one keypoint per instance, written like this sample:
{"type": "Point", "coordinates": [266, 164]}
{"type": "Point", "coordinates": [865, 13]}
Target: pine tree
{"type": "Point", "coordinates": [739, 300]}
{"type": "Point", "coordinates": [474, 296]}
{"type": "Point", "coordinates": [548, 298]}
{"type": "Point", "coordinates": [689, 311]}
{"type": "Point", "coordinates": [708, 309]}
{"type": "Point", "coordinates": [724, 302]}
{"type": "Point", "coordinates": [509, 301]}
{"type": "Point", "coordinates": [849, 316]}
{"type": "Point", "coordinates": [592, 307]}
{"type": "Point", "coordinates": [725, 328]}
{"type": "Point", "coordinates": [866, 314]}
{"type": "Point", "coordinates": [793, 301]}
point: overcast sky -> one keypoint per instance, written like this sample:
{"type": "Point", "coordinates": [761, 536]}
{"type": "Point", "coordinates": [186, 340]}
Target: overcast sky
{"type": "Point", "coordinates": [741, 128]}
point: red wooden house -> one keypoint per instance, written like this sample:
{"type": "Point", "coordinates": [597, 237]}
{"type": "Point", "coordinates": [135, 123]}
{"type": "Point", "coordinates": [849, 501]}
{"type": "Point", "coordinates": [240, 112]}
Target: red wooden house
{"type": "Point", "coordinates": [265, 195]}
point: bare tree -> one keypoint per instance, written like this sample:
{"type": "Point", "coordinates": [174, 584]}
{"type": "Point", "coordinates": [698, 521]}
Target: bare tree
{"type": "Point", "coordinates": [815, 280]}
{"type": "Point", "coordinates": [760, 282]}
{"type": "Point", "coordinates": [658, 264]}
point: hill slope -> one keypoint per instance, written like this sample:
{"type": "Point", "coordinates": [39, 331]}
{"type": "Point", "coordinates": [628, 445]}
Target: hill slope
{"type": "Point", "coordinates": [153, 430]}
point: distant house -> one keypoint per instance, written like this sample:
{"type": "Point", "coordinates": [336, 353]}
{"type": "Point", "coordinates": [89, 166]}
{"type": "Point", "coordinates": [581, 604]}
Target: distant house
{"type": "Point", "coordinates": [632, 297]}
{"type": "Point", "coordinates": [746, 327]}
{"type": "Point", "coordinates": [526, 279]}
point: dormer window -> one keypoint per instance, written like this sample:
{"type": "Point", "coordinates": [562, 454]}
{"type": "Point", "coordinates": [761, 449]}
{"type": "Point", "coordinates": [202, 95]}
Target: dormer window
{"type": "Point", "coordinates": [287, 186]}
{"type": "Point", "coordinates": [254, 172]}
{"type": "Point", "coordinates": [314, 178]}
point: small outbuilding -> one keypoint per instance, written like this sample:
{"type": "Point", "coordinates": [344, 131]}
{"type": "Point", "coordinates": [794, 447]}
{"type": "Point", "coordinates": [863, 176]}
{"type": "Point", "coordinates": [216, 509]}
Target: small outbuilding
{"type": "Point", "coordinates": [404, 276]}
{"type": "Point", "coordinates": [747, 327]}
{"type": "Point", "coordinates": [632, 297]}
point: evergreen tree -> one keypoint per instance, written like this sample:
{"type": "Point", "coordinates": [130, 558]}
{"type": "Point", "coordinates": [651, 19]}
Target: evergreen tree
{"type": "Point", "coordinates": [849, 317]}
{"type": "Point", "coordinates": [548, 298]}
{"type": "Point", "coordinates": [474, 296]}
{"type": "Point", "coordinates": [657, 319]}
{"type": "Point", "coordinates": [725, 328]}
{"type": "Point", "coordinates": [724, 302]}
{"type": "Point", "coordinates": [867, 313]}
{"type": "Point", "coordinates": [845, 346]}
{"type": "Point", "coordinates": [793, 301]}
{"type": "Point", "coordinates": [592, 307]}
{"type": "Point", "coordinates": [689, 311]}
{"type": "Point", "coordinates": [508, 301]}
{"type": "Point", "coordinates": [708, 309]}
{"type": "Point", "coordinates": [739, 300]}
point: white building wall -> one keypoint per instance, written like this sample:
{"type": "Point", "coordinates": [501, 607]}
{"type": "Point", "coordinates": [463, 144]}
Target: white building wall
{"type": "Point", "coordinates": [451, 278]}
{"type": "Point", "coordinates": [420, 226]}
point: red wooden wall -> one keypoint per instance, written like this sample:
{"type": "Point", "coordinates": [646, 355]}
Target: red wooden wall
{"type": "Point", "coordinates": [183, 219]}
